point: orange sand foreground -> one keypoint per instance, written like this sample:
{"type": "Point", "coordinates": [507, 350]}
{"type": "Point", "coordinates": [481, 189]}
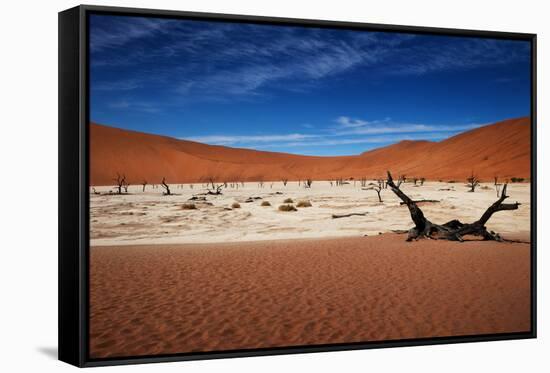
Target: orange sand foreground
{"type": "Point", "coordinates": [162, 299]}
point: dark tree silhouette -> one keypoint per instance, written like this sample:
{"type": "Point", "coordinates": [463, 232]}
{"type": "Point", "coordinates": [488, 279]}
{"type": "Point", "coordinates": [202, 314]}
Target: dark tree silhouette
{"type": "Point", "coordinates": [120, 182]}
{"type": "Point", "coordinates": [402, 178]}
{"type": "Point", "coordinates": [377, 188]}
{"type": "Point", "coordinates": [216, 188]}
{"type": "Point", "coordinates": [165, 186]}
{"type": "Point", "coordinates": [453, 230]}
{"type": "Point", "coordinates": [144, 184]}
{"type": "Point", "coordinates": [473, 182]}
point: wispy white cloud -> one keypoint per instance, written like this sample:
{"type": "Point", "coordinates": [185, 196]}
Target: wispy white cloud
{"type": "Point", "coordinates": [116, 85]}
{"type": "Point", "coordinates": [350, 131]}
{"type": "Point", "coordinates": [144, 107]}
{"type": "Point", "coordinates": [246, 139]}
{"type": "Point", "coordinates": [356, 126]}
{"type": "Point", "coordinates": [217, 61]}
{"type": "Point", "coordinates": [121, 30]}
{"type": "Point", "coordinates": [347, 122]}
{"type": "Point", "coordinates": [360, 140]}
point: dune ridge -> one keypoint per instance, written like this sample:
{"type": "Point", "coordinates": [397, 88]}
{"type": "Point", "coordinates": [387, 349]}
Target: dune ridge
{"type": "Point", "coordinates": [502, 149]}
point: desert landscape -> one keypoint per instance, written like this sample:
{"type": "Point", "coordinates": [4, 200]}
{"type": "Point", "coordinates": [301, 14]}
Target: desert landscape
{"type": "Point", "coordinates": [197, 247]}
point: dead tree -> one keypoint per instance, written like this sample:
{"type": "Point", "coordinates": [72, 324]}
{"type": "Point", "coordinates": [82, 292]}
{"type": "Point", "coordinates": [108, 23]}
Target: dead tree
{"type": "Point", "coordinates": [165, 186]}
{"type": "Point", "coordinates": [473, 182]}
{"type": "Point", "coordinates": [216, 188]}
{"type": "Point", "coordinates": [363, 182]}
{"type": "Point", "coordinates": [144, 184]}
{"type": "Point", "coordinates": [402, 179]}
{"type": "Point", "coordinates": [377, 188]}
{"type": "Point", "coordinates": [308, 183]}
{"type": "Point", "coordinates": [415, 180]}
{"type": "Point", "coordinates": [120, 183]}
{"type": "Point", "coordinates": [125, 186]}
{"type": "Point", "coordinates": [284, 180]}
{"type": "Point", "coordinates": [422, 179]}
{"type": "Point", "coordinates": [453, 230]}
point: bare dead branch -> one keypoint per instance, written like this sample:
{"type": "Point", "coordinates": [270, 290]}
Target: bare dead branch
{"type": "Point", "coordinates": [453, 230]}
{"type": "Point", "coordinates": [473, 182]}
{"type": "Point", "coordinates": [377, 188]}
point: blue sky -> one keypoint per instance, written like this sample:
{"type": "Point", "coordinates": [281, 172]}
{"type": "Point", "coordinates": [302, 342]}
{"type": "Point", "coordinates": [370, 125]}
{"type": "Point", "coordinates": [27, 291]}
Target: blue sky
{"type": "Point", "coordinates": [300, 90]}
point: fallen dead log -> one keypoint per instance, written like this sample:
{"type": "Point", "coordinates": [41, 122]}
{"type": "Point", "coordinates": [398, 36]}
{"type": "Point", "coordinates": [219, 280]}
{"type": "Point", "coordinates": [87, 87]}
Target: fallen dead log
{"type": "Point", "coordinates": [252, 199]}
{"type": "Point", "coordinates": [453, 230]}
{"type": "Point", "coordinates": [335, 216]}
{"type": "Point", "coordinates": [197, 198]}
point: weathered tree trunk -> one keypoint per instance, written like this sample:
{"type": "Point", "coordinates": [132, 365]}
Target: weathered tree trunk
{"type": "Point", "coordinates": [166, 187]}
{"type": "Point", "coordinates": [216, 188]}
{"type": "Point", "coordinates": [453, 230]}
{"type": "Point", "coordinates": [473, 182]}
{"type": "Point", "coordinates": [121, 182]}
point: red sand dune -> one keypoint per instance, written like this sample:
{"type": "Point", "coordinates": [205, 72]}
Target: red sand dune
{"type": "Point", "coordinates": [164, 299]}
{"type": "Point", "coordinates": [501, 149]}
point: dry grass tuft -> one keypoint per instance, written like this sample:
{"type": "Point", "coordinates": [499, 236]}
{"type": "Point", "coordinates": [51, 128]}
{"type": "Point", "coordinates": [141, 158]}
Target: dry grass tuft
{"type": "Point", "coordinates": [265, 203]}
{"type": "Point", "coordinates": [303, 204]}
{"type": "Point", "coordinates": [287, 208]}
{"type": "Point", "coordinates": [235, 205]}
{"type": "Point", "coordinates": [288, 200]}
{"type": "Point", "coordinates": [188, 206]}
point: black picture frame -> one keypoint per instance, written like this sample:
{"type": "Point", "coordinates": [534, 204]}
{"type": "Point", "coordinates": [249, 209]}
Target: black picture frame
{"type": "Point", "coordinates": [73, 250]}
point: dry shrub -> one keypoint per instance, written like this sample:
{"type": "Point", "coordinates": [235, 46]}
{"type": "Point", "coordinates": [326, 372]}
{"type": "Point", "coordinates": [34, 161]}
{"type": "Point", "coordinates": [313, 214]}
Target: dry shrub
{"type": "Point", "coordinates": [265, 203]}
{"type": "Point", "coordinates": [287, 208]}
{"type": "Point", "coordinates": [189, 206]}
{"type": "Point", "coordinates": [235, 205]}
{"type": "Point", "coordinates": [303, 204]}
{"type": "Point", "coordinates": [288, 200]}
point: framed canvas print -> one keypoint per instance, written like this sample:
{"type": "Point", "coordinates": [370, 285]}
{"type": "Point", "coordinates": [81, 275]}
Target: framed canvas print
{"type": "Point", "coordinates": [237, 186]}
